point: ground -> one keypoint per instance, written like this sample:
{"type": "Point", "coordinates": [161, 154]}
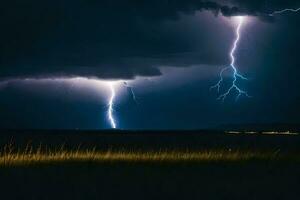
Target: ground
{"type": "Point", "coordinates": [274, 177]}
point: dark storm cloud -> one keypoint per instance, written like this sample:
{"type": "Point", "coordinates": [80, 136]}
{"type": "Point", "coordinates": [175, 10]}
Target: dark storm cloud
{"type": "Point", "coordinates": [108, 39]}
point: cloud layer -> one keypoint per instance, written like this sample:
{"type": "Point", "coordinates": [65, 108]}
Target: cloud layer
{"type": "Point", "coordinates": [116, 39]}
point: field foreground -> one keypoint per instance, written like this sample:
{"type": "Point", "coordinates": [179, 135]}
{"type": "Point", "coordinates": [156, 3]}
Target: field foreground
{"type": "Point", "coordinates": [44, 156]}
{"type": "Point", "coordinates": [149, 167]}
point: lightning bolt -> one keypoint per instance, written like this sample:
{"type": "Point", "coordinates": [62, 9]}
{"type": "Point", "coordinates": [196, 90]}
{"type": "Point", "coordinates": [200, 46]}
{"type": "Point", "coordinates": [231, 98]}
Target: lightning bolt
{"type": "Point", "coordinates": [284, 11]}
{"type": "Point", "coordinates": [77, 80]}
{"type": "Point", "coordinates": [131, 92]}
{"type": "Point", "coordinates": [111, 106]}
{"type": "Point", "coordinates": [235, 74]}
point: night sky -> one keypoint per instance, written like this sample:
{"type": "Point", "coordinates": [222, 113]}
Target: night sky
{"type": "Point", "coordinates": [59, 57]}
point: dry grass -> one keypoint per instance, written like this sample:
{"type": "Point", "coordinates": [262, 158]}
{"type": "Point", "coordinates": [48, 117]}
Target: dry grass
{"type": "Point", "coordinates": [9, 156]}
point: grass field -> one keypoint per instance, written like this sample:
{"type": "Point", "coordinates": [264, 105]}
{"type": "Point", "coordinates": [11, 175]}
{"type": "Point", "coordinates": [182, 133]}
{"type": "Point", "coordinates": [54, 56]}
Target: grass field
{"type": "Point", "coordinates": [44, 156]}
{"type": "Point", "coordinates": [141, 166]}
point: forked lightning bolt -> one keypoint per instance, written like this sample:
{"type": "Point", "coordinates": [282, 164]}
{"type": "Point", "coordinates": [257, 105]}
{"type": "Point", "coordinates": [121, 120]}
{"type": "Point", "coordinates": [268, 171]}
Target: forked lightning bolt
{"type": "Point", "coordinates": [284, 11]}
{"type": "Point", "coordinates": [111, 106]}
{"type": "Point", "coordinates": [236, 76]}
{"type": "Point", "coordinates": [131, 92]}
